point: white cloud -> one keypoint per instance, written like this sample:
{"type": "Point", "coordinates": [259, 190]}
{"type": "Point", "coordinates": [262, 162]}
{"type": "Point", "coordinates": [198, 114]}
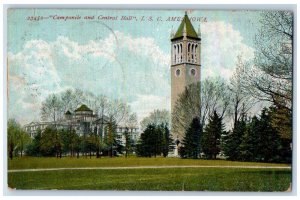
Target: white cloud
{"type": "Point", "coordinates": [119, 66]}
{"type": "Point", "coordinates": [32, 76]}
{"type": "Point", "coordinates": [221, 44]}
{"type": "Point", "coordinates": [144, 104]}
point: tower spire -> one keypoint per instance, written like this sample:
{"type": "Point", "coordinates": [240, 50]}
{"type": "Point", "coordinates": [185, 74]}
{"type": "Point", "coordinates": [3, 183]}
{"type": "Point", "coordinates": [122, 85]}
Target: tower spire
{"type": "Point", "coordinates": [172, 32]}
{"type": "Point", "coordinates": [184, 30]}
{"type": "Point", "coordinates": [199, 31]}
{"type": "Point", "coordinates": [187, 28]}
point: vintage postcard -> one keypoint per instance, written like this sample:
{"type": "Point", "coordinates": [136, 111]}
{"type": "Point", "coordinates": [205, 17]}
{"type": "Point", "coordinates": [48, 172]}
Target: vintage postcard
{"type": "Point", "coordinates": [149, 100]}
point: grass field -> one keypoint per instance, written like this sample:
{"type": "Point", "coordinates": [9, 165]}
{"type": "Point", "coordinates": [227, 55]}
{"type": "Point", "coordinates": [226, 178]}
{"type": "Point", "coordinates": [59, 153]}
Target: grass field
{"type": "Point", "coordinates": [35, 162]}
{"type": "Point", "coordinates": [159, 179]}
{"type": "Point", "coordinates": [190, 179]}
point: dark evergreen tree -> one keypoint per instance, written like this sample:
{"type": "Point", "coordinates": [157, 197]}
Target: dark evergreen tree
{"type": "Point", "coordinates": [111, 139]}
{"type": "Point", "coordinates": [51, 142]}
{"type": "Point", "coordinates": [248, 146]}
{"type": "Point", "coordinates": [66, 140]}
{"type": "Point", "coordinates": [146, 144]}
{"type": "Point", "coordinates": [74, 142]}
{"type": "Point", "coordinates": [83, 144]}
{"type": "Point", "coordinates": [167, 144]}
{"type": "Point", "coordinates": [128, 143]}
{"type": "Point", "coordinates": [210, 140]}
{"type": "Point", "coordinates": [191, 142]}
{"type": "Point", "coordinates": [155, 140]}
{"type": "Point", "coordinates": [232, 141]}
{"type": "Point", "coordinates": [281, 120]}
{"type": "Point", "coordinates": [33, 149]}
{"type": "Point", "coordinates": [269, 141]}
{"type": "Point", "coordinates": [262, 141]}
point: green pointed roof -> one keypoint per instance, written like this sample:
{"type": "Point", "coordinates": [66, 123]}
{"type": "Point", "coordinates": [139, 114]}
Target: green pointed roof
{"type": "Point", "coordinates": [190, 31]}
{"type": "Point", "coordinates": [83, 107]}
{"type": "Point", "coordinates": [68, 113]}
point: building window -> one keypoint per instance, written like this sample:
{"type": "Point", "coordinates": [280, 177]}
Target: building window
{"type": "Point", "coordinates": [177, 72]}
{"type": "Point", "coordinates": [193, 72]}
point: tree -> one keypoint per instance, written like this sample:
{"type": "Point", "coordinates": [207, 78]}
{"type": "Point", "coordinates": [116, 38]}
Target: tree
{"type": "Point", "coordinates": [268, 139]}
{"type": "Point", "coordinates": [270, 78]}
{"type": "Point", "coordinates": [83, 145]}
{"type": "Point", "coordinates": [91, 143]}
{"type": "Point", "coordinates": [191, 142]}
{"type": "Point", "coordinates": [127, 142]}
{"type": "Point", "coordinates": [214, 97]}
{"type": "Point", "coordinates": [101, 109]}
{"type": "Point", "coordinates": [248, 147]}
{"type": "Point", "coordinates": [24, 139]}
{"type": "Point", "coordinates": [155, 140]}
{"type": "Point", "coordinates": [51, 142]}
{"type": "Point", "coordinates": [156, 117]}
{"type": "Point", "coordinates": [232, 141]}
{"type": "Point", "coordinates": [130, 124]}
{"type": "Point", "coordinates": [17, 139]}
{"type": "Point", "coordinates": [70, 141]}
{"type": "Point", "coordinates": [111, 137]}
{"type": "Point", "coordinates": [210, 140]}
{"type": "Point", "coordinates": [68, 100]}
{"type": "Point", "coordinates": [52, 108]}
{"type": "Point", "coordinates": [185, 110]}
{"type": "Point", "coordinates": [240, 99]}
{"type": "Point", "coordinates": [34, 148]}
{"type": "Point", "coordinates": [146, 144]}
{"type": "Point", "coordinates": [117, 111]}
{"type": "Point", "coordinates": [262, 142]}
{"type": "Point", "coordinates": [167, 141]}
{"type": "Point", "coordinates": [281, 120]}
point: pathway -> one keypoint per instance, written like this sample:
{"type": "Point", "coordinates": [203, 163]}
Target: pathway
{"type": "Point", "coordinates": [149, 167]}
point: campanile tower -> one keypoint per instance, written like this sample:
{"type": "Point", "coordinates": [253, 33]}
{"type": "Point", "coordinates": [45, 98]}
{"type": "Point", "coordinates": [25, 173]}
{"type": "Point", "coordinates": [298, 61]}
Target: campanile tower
{"type": "Point", "coordinates": [185, 55]}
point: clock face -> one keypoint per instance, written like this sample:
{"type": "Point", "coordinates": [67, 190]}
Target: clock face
{"type": "Point", "coordinates": [177, 72]}
{"type": "Point", "coordinates": [193, 72]}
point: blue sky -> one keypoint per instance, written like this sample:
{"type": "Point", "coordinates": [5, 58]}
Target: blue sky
{"type": "Point", "coordinates": [121, 59]}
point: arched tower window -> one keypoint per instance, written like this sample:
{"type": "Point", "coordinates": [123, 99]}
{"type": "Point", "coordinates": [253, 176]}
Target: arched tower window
{"type": "Point", "coordinates": [174, 54]}
{"type": "Point", "coordinates": [181, 54]}
{"type": "Point", "coordinates": [189, 52]}
{"type": "Point", "coordinates": [177, 53]}
{"type": "Point", "coordinates": [192, 50]}
{"type": "Point", "coordinates": [196, 46]}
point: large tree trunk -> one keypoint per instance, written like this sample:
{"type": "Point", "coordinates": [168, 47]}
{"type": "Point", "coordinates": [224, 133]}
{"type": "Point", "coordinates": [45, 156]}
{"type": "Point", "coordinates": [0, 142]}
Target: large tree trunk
{"type": "Point", "coordinates": [97, 152]}
{"type": "Point", "coordinates": [11, 152]}
{"type": "Point", "coordinates": [90, 152]}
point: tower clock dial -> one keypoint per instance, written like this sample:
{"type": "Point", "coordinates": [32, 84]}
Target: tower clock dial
{"type": "Point", "coordinates": [177, 72]}
{"type": "Point", "coordinates": [193, 72]}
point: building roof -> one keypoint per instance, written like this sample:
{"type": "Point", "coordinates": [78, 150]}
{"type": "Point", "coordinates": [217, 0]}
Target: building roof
{"type": "Point", "coordinates": [83, 107]}
{"type": "Point", "coordinates": [68, 113]}
{"type": "Point", "coordinates": [190, 31]}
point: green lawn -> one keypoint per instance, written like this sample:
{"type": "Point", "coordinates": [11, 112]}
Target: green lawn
{"type": "Point", "coordinates": [178, 179]}
{"type": "Point", "coordinates": [34, 162]}
{"type": "Point", "coordinates": [175, 179]}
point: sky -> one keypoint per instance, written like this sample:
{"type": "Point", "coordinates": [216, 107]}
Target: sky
{"type": "Point", "coordinates": [123, 58]}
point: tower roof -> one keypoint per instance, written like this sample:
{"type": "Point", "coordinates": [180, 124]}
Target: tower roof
{"type": "Point", "coordinates": [190, 31]}
{"type": "Point", "coordinates": [68, 113]}
{"type": "Point", "coordinates": [83, 107]}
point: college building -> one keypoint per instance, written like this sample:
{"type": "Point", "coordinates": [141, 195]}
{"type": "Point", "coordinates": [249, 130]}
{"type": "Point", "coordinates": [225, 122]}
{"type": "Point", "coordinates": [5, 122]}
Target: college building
{"type": "Point", "coordinates": [83, 121]}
